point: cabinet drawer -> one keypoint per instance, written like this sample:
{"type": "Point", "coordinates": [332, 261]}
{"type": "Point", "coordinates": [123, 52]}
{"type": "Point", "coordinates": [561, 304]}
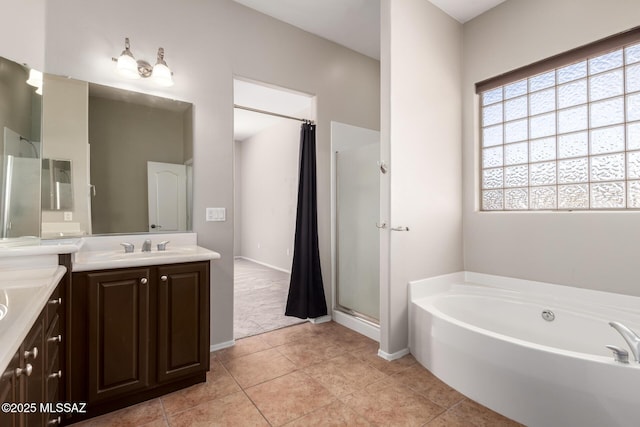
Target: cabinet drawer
{"type": "Point", "coordinates": [53, 340]}
{"type": "Point", "coordinates": [53, 305]}
{"type": "Point", "coordinates": [54, 379]}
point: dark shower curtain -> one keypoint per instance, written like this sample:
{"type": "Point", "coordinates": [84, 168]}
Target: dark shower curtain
{"type": "Point", "coordinates": [306, 291]}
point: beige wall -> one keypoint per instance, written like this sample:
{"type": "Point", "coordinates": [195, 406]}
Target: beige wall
{"type": "Point", "coordinates": [206, 44]}
{"type": "Point", "coordinates": [65, 135]}
{"type": "Point", "coordinates": [420, 139]}
{"type": "Point", "coordinates": [145, 134]}
{"type": "Point", "coordinates": [267, 192]}
{"type": "Point", "coordinates": [16, 99]}
{"type": "Point", "coordinates": [22, 33]}
{"type": "Point", "coordinates": [596, 250]}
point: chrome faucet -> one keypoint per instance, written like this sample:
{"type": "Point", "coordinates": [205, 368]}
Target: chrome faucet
{"type": "Point", "coordinates": [162, 246]}
{"type": "Point", "coordinates": [632, 339]}
{"type": "Point", "coordinates": [128, 247]}
{"type": "Point", "coordinates": [146, 246]}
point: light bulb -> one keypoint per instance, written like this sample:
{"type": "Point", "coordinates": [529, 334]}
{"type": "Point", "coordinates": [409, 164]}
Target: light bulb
{"type": "Point", "coordinates": [161, 75]}
{"type": "Point", "coordinates": [127, 66]}
{"type": "Point", "coordinates": [35, 78]}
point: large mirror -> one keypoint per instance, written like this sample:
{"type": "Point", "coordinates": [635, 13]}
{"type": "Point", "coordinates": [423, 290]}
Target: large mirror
{"type": "Point", "coordinates": [129, 154]}
{"type": "Point", "coordinates": [20, 151]}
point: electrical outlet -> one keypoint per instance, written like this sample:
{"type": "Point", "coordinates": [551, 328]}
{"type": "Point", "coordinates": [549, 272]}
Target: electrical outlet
{"type": "Point", "coordinates": [68, 216]}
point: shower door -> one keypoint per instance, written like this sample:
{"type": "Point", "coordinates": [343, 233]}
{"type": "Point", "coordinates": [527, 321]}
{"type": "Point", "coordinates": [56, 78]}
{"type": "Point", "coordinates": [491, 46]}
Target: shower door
{"type": "Point", "coordinates": [357, 238]}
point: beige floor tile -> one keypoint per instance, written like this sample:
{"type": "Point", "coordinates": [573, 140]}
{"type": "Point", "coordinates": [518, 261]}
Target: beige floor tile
{"type": "Point", "coordinates": [219, 383]}
{"type": "Point", "coordinates": [347, 339]}
{"type": "Point", "coordinates": [233, 410]}
{"type": "Point", "coordinates": [160, 422]}
{"type": "Point", "coordinates": [133, 416]}
{"type": "Point", "coordinates": [259, 367]}
{"type": "Point", "coordinates": [243, 347]}
{"type": "Point", "coordinates": [419, 379]}
{"type": "Point", "coordinates": [287, 335]}
{"type": "Point", "coordinates": [289, 397]}
{"type": "Point", "coordinates": [471, 414]}
{"type": "Point", "coordinates": [392, 405]}
{"type": "Point", "coordinates": [308, 351]}
{"type": "Point", "coordinates": [385, 366]}
{"type": "Point", "coordinates": [335, 414]}
{"type": "Point", "coordinates": [344, 374]}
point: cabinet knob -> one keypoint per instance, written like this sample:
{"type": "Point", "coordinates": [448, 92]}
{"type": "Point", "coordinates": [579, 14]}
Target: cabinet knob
{"type": "Point", "coordinates": [55, 421]}
{"type": "Point", "coordinates": [56, 301]}
{"type": "Point", "coordinates": [55, 339]}
{"type": "Point", "coordinates": [27, 370]}
{"type": "Point", "coordinates": [163, 278]}
{"type": "Point", "coordinates": [33, 353]}
{"type": "Point", "coordinates": [56, 374]}
{"type": "Point", "coordinates": [144, 280]}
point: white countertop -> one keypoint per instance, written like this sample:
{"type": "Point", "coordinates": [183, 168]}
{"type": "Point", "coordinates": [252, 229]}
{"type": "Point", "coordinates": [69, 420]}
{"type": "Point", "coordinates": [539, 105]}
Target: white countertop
{"type": "Point", "coordinates": [104, 260]}
{"type": "Point", "coordinates": [105, 252]}
{"type": "Point", "coordinates": [23, 293]}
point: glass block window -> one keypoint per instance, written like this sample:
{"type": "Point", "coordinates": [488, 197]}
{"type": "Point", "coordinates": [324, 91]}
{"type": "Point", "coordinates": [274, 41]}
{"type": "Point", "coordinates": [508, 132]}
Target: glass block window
{"type": "Point", "coordinates": [564, 138]}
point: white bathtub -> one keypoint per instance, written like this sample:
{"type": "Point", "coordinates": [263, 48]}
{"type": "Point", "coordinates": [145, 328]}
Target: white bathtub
{"type": "Point", "coordinates": [485, 336]}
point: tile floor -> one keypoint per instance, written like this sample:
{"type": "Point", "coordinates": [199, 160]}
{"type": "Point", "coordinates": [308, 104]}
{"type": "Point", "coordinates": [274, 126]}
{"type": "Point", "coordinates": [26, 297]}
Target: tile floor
{"type": "Point", "coordinates": [260, 297]}
{"type": "Point", "coordinates": [309, 375]}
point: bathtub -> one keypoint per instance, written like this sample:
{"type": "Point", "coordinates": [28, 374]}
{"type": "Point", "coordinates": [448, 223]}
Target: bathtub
{"type": "Point", "coordinates": [486, 337]}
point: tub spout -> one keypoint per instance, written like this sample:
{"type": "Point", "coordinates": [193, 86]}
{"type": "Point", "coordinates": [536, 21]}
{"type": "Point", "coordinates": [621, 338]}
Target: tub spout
{"type": "Point", "coordinates": [630, 337]}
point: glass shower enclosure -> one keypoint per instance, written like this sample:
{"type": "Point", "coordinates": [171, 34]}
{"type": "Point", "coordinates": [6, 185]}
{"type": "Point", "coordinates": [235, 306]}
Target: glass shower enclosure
{"type": "Point", "coordinates": [357, 205]}
{"type": "Point", "coordinates": [20, 202]}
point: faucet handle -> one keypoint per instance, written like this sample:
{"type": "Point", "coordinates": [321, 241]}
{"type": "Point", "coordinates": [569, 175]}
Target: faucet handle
{"type": "Point", "coordinates": [163, 245]}
{"type": "Point", "coordinates": [619, 354]}
{"type": "Point", "coordinates": [128, 247]}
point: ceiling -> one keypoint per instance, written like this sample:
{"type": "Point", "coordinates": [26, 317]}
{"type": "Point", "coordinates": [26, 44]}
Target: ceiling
{"type": "Point", "coordinates": [353, 23]}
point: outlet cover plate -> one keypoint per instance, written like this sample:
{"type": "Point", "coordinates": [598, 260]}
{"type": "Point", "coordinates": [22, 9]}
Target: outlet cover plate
{"type": "Point", "coordinates": [216, 214]}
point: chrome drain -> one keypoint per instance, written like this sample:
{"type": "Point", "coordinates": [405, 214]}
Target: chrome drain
{"type": "Point", "coordinates": [548, 315]}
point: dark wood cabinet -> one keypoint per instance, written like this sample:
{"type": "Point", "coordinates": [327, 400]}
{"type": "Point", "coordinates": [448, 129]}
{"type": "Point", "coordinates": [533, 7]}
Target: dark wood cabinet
{"type": "Point", "coordinates": [183, 320]}
{"type": "Point", "coordinates": [10, 392]}
{"type": "Point", "coordinates": [32, 375]}
{"type": "Point", "coordinates": [137, 333]}
{"type": "Point", "coordinates": [118, 332]}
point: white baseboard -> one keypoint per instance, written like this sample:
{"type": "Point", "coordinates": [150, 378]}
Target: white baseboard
{"type": "Point", "coordinates": [393, 356]}
{"type": "Point", "coordinates": [263, 263]}
{"type": "Point", "coordinates": [220, 346]}
{"type": "Point", "coordinates": [321, 319]}
{"type": "Point", "coordinates": [362, 327]}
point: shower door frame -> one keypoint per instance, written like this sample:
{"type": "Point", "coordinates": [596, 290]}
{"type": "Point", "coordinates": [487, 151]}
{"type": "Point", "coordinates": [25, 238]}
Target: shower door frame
{"type": "Point", "coordinates": [369, 326]}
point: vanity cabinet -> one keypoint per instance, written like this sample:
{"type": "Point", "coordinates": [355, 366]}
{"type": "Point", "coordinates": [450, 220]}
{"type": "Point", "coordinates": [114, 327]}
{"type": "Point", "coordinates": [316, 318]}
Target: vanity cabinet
{"type": "Point", "coordinates": [33, 375]}
{"type": "Point", "coordinates": [137, 333]}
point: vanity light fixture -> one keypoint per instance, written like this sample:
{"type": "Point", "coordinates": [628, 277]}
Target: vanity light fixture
{"type": "Point", "coordinates": [35, 80]}
{"type": "Point", "coordinates": [127, 66]}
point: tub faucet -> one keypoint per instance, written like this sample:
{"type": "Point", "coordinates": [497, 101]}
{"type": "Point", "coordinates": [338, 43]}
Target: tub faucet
{"type": "Point", "coordinates": [146, 246]}
{"type": "Point", "coordinates": [632, 339]}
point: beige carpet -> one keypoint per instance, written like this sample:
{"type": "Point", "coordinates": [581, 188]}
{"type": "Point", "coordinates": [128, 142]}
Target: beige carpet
{"type": "Point", "coordinates": [260, 298]}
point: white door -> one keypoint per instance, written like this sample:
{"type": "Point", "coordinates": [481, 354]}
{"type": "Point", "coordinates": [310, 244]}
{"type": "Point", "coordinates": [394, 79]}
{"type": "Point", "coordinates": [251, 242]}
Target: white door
{"type": "Point", "coordinates": [167, 191]}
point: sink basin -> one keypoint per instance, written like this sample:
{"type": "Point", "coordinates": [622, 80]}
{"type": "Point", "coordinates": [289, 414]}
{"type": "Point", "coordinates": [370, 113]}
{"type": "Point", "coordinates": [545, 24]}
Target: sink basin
{"type": "Point", "coordinates": [117, 258]}
{"type": "Point", "coordinates": [19, 289]}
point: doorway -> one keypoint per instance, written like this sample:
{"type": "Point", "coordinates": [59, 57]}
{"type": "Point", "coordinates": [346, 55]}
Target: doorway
{"type": "Point", "coordinates": [266, 155]}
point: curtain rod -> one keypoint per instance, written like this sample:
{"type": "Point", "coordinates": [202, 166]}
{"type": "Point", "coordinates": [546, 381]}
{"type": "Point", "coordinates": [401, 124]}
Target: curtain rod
{"type": "Point", "coordinates": [255, 110]}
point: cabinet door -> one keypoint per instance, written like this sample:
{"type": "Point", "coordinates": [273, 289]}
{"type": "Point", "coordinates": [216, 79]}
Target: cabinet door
{"type": "Point", "coordinates": [118, 332]}
{"type": "Point", "coordinates": [9, 393]}
{"type": "Point", "coordinates": [33, 383]}
{"type": "Point", "coordinates": [183, 320]}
